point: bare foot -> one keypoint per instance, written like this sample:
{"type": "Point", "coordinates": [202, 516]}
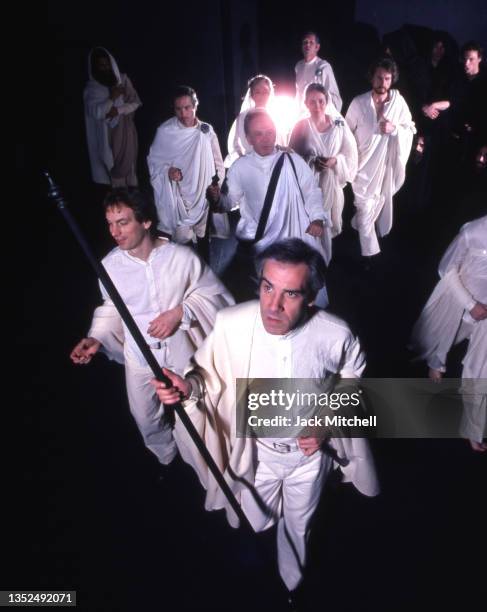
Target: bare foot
{"type": "Point", "coordinates": [479, 447]}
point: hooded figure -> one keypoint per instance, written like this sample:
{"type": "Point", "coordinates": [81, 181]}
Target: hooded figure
{"type": "Point", "coordinates": [110, 102]}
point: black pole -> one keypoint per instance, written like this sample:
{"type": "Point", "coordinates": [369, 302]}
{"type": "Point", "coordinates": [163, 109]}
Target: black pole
{"type": "Point", "coordinates": [54, 194]}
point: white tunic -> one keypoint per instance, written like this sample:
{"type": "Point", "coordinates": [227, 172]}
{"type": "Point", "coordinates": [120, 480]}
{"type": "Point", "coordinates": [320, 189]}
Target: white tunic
{"type": "Point", "coordinates": [288, 484]}
{"type": "Point", "coordinates": [247, 182]}
{"type": "Point", "coordinates": [182, 206]}
{"type": "Point", "coordinates": [172, 275]}
{"type": "Point", "coordinates": [324, 344]}
{"type": "Point", "coordinates": [381, 164]}
{"type": "Point", "coordinates": [445, 318]}
{"type": "Point", "coordinates": [316, 71]}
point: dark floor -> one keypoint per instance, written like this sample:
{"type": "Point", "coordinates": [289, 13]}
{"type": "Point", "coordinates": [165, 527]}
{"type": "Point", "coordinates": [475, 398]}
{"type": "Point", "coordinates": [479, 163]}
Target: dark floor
{"type": "Point", "coordinates": [92, 514]}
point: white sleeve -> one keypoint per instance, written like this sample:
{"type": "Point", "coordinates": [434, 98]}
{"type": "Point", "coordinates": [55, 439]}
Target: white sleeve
{"type": "Point", "coordinates": [352, 116]}
{"type": "Point", "coordinates": [156, 161]}
{"type": "Point", "coordinates": [455, 253]}
{"type": "Point", "coordinates": [330, 84]}
{"type": "Point", "coordinates": [347, 157]}
{"type": "Point", "coordinates": [313, 197]}
{"type": "Point", "coordinates": [353, 363]}
{"type": "Point", "coordinates": [107, 328]}
{"type": "Point", "coordinates": [235, 193]}
{"type": "Point", "coordinates": [459, 291]}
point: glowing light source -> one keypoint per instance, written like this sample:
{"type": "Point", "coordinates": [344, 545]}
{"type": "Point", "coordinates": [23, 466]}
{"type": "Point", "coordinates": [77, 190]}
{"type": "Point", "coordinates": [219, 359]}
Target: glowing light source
{"type": "Point", "coordinates": [284, 112]}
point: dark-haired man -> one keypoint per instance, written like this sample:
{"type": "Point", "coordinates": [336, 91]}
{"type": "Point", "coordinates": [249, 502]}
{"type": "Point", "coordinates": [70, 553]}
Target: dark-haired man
{"type": "Point", "coordinates": [173, 298]}
{"type": "Point", "coordinates": [110, 102]}
{"type": "Point", "coordinates": [183, 159]}
{"type": "Point", "coordinates": [282, 335]}
{"type": "Point", "coordinates": [468, 103]}
{"type": "Point", "coordinates": [383, 128]}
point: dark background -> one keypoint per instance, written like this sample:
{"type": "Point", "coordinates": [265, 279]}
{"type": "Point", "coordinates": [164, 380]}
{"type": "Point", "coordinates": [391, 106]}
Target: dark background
{"type": "Point", "coordinates": [88, 508]}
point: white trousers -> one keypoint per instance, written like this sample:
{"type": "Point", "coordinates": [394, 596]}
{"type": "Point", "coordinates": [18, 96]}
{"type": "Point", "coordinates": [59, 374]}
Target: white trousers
{"type": "Point", "coordinates": [147, 410]}
{"type": "Point", "coordinates": [367, 211]}
{"type": "Point", "coordinates": [288, 488]}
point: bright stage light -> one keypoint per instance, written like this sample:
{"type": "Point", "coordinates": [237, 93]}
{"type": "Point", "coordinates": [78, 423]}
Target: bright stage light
{"type": "Point", "coordinates": [284, 112]}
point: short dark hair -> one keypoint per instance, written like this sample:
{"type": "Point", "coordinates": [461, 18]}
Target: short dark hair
{"type": "Point", "coordinates": [315, 87]}
{"type": "Point", "coordinates": [387, 64]}
{"type": "Point", "coordinates": [311, 33]}
{"type": "Point", "coordinates": [251, 115]}
{"type": "Point", "coordinates": [185, 90]}
{"type": "Point", "coordinates": [472, 45]}
{"type": "Point", "coordinates": [296, 251]}
{"type": "Point", "coordinates": [142, 205]}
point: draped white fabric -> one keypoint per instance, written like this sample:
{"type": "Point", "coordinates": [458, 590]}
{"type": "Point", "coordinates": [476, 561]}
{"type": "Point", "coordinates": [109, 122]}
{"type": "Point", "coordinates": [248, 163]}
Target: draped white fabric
{"type": "Point", "coordinates": [381, 164]}
{"type": "Point", "coordinates": [338, 142]}
{"type": "Point", "coordinates": [192, 151]}
{"type": "Point", "coordinates": [323, 344]}
{"type": "Point", "coordinates": [248, 180]}
{"type": "Point", "coordinates": [445, 318]}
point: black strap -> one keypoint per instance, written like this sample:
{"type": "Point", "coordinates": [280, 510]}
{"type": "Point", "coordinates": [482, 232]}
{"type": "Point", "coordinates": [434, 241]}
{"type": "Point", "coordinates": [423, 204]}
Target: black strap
{"type": "Point", "coordinates": [296, 175]}
{"type": "Point", "coordinates": [269, 197]}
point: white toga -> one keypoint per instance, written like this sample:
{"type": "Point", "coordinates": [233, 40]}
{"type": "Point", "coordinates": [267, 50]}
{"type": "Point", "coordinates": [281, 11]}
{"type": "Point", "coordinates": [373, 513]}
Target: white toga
{"type": "Point", "coordinates": [337, 141]}
{"type": "Point", "coordinates": [445, 319]}
{"type": "Point", "coordinates": [247, 182]}
{"type": "Point", "coordinates": [381, 164]}
{"type": "Point", "coordinates": [182, 206]}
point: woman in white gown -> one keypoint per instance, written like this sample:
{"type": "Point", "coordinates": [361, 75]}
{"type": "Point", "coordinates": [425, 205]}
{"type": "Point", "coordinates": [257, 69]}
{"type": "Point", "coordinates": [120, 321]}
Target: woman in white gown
{"type": "Point", "coordinates": [327, 144]}
{"type": "Point", "coordinates": [260, 94]}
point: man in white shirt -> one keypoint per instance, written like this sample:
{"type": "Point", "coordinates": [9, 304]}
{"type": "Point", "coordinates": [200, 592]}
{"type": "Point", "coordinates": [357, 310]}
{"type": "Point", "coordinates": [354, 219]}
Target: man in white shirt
{"type": "Point", "coordinates": [173, 298]}
{"type": "Point", "coordinates": [382, 125]}
{"type": "Point", "coordinates": [183, 160]}
{"type": "Point", "coordinates": [110, 102]}
{"type": "Point", "coordinates": [280, 336]}
{"type": "Point", "coordinates": [313, 69]}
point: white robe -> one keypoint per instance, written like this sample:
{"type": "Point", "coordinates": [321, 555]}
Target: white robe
{"type": "Point", "coordinates": [474, 385]}
{"type": "Point", "coordinates": [171, 276]}
{"type": "Point", "coordinates": [323, 344]}
{"type": "Point", "coordinates": [182, 206]}
{"type": "Point", "coordinates": [247, 182]}
{"type": "Point", "coordinates": [381, 164]}
{"type": "Point", "coordinates": [337, 142]}
{"type": "Point", "coordinates": [316, 71]}
{"type": "Point", "coordinates": [97, 104]}
{"type": "Point", "coordinates": [445, 319]}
